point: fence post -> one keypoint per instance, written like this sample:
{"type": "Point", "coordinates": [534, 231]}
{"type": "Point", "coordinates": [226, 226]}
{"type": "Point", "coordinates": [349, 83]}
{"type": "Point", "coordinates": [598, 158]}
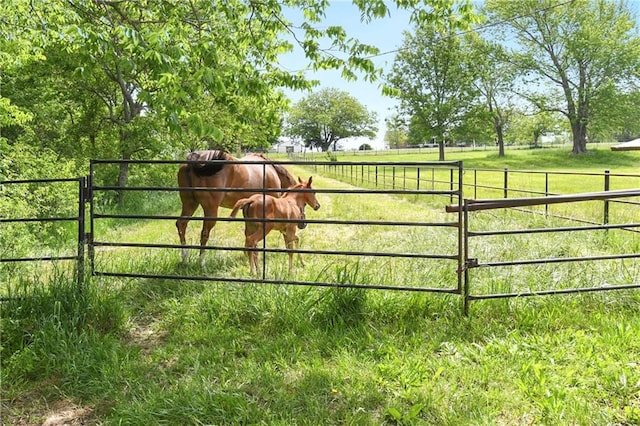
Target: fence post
{"type": "Point", "coordinates": [433, 178]}
{"type": "Point", "coordinates": [465, 253]}
{"type": "Point", "coordinates": [82, 238]}
{"type": "Point", "coordinates": [506, 182]}
{"type": "Point", "coordinates": [393, 177]}
{"type": "Point", "coordinates": [607, 179]}
{"type": "Point", "coordinates": [546, 192]}
{"type": "Point", "coordinates": [451, 185]}
{"type": "Point", "coordinates": [475, 183]}
{"type": "Point", "coordinates": [90, 237]}
{"type": "Point", "coordinates": [418, 179]}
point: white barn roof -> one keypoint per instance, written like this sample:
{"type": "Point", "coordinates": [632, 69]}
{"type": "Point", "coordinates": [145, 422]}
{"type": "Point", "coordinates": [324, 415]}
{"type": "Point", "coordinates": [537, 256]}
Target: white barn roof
{"type": "Point", "coordinates": [633, 145]}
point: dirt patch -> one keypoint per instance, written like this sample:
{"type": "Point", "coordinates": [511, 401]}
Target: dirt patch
{"type": "Point", "coordinates": [69, 414]}
{"type": "Point", "coordinates": [145, 336]}
{"type": "Point", "coordinates": [57, 414]}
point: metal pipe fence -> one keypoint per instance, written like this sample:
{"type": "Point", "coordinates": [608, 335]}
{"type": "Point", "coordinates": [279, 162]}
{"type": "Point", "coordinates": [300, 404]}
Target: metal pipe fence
{"type": "Point", "coordinates": [310, 155]}
{"type": "Point", "coordinates": [503, 183]}
{"type": "Point", "coordinates": [78, 251]}
{"type": "Point", "coordinates": [379, 240]}
{"type": "Point", "coordinates": [473, 261]}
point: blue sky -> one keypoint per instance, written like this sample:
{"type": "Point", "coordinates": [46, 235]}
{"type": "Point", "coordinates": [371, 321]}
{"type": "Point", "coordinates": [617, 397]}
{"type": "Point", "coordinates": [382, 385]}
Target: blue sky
{"type": "Point", "coordinates": [386, 34]}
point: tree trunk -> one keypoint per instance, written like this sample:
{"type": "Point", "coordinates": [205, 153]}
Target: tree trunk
{"type": "Point", "coordinates": [441, 150]}
{"type": "Point", "coordinates": [500, 135]}
{"type": "Point", "coordinates": [579, 133]}
{"type": "Point", "coordinates": [123, 177]}
{"type": "Point", "coordinates": [123, 173]}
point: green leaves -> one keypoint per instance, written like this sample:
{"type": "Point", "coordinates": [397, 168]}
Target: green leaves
{"type": "Point", "coordinates": [431, 77]}
{"type": "Point", "coordinates": [108, 70]}
{"type": "Point", "coordinates": [569, 55]}
{"type": "Point", "coordinates": [11, 115]}
{"type": "Point", "coordinates": [326, 116]}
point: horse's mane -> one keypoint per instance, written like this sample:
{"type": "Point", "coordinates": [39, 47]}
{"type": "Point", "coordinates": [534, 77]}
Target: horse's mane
{"type": "Point", "coordinates": [286, 178]}
{"type": "Point", "coordinates": [207, 169]}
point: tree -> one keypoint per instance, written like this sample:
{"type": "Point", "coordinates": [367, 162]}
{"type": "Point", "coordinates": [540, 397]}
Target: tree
{"type": "Point", "coordinates": [476, 126]}
{"type": "Point", "coordinates": [571, 55]}
{"type": "Point", "coordinates": [528, 127]}
{"type": "Point", "coordinates": [131, 73]}
{"type": "Point", "coordinates": [396, 134]}
{"type": "Point", "coordinates": [493, 79]}
{"type": "Point", "coordinates": [619, 123]}
{"type": "Point", "coordinates": [431, 78]}
{"type": "Point", "coordinates": [324, 117]}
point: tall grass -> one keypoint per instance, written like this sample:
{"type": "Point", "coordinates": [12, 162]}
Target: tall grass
{"type": "Point", "coordinates": [139, 351]}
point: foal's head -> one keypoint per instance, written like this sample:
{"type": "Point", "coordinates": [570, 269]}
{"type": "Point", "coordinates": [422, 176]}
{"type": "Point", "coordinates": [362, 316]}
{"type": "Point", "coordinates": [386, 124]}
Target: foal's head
{"type": "Point", "coordinates": [309, 196]}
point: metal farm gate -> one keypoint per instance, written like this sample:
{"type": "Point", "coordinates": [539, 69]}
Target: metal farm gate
{"type": "Point", "coordinates": [75, 253]}
{"type": "Point", "coordinates": [383, 261]}
{"type": "Point", "coordinates": [473, 263]}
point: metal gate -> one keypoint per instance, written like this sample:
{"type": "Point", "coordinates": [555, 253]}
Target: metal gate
{"type": "Point", "coordinates": [79, 250]}
{"type": "Point", "coordinates": [473, 262]}
{"type": "Point", "coordinates": [449, 188]}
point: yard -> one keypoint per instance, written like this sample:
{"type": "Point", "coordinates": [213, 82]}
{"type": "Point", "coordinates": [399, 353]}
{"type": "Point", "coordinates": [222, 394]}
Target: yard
{"type": "Point", "coordinates": [163, 351]}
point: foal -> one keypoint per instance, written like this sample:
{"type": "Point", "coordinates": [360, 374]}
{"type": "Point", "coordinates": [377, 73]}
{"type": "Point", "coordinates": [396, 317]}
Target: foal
{"type": "Point", "coordinates": [290, 206]}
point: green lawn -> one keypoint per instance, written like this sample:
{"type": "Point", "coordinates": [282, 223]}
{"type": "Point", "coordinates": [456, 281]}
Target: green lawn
{"type": "Point", "coordinates": [599, 158]}
{"type": "Point", "coordinates": [160, 351]}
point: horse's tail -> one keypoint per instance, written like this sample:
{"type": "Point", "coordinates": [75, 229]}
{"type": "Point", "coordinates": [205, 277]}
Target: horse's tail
{"type": "Point", "coordinates": [240, 204]}
{"type": "Point", "coordinates": [207, 169]}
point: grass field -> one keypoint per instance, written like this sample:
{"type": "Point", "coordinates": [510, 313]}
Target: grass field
{"type": "Point", "coordinates": [598, 159]}
{"type": "Point", "coordinates": [129, 351]}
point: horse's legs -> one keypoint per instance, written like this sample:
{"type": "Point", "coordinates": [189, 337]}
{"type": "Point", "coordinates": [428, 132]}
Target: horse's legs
{"type": "Point", "coordinates": [210, 208]}
{"type": "Point", "coordinates": [253, 237]}
{"type": "Point", "coordinates": [290, 247]}
{"type": "Point", "coordinates": [296, 240]}
{"type": "Point", "coordinates": [189, 206]}
{"type": "Point", "coordinates": [251, 255]}
{"type": "Point", "coordinates": [291, 241]}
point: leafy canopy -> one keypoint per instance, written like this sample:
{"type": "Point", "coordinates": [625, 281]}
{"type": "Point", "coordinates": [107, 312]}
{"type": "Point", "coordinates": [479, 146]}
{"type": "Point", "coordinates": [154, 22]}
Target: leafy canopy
{"type": "Point", "coordinates": [575, 58]}
{"type": "Point", "coordinates": [431, 77]}
{"type": "Point", "coordinates": [324, 117]}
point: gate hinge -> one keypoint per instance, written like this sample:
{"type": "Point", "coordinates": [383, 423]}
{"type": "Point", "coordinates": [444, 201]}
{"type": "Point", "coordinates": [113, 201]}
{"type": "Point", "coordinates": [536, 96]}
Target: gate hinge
{"type": "Point", "coordinates": [470, 263]}
{"type": "Point", "coordinates": [86, 194]}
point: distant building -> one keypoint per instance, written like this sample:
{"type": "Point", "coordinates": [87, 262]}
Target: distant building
{"type": "Point", "coordinates": [287, 145]}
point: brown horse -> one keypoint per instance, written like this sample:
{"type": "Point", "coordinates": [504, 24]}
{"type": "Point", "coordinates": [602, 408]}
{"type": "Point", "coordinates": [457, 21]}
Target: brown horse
{"type": "Point", "coordinates": [219, 169]}
{"type": "Point", "coordinates": [262, 206]}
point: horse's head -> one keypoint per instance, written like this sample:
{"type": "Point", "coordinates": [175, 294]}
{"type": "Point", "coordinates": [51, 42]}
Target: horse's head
{"type": "Point", "coordinates": [309, 199]}
{"type": "Point", "coordinates": [310, 196]}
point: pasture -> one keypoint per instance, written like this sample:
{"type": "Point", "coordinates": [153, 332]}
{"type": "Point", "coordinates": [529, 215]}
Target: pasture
{"type": "Point", "coordinates": [138, 351]}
